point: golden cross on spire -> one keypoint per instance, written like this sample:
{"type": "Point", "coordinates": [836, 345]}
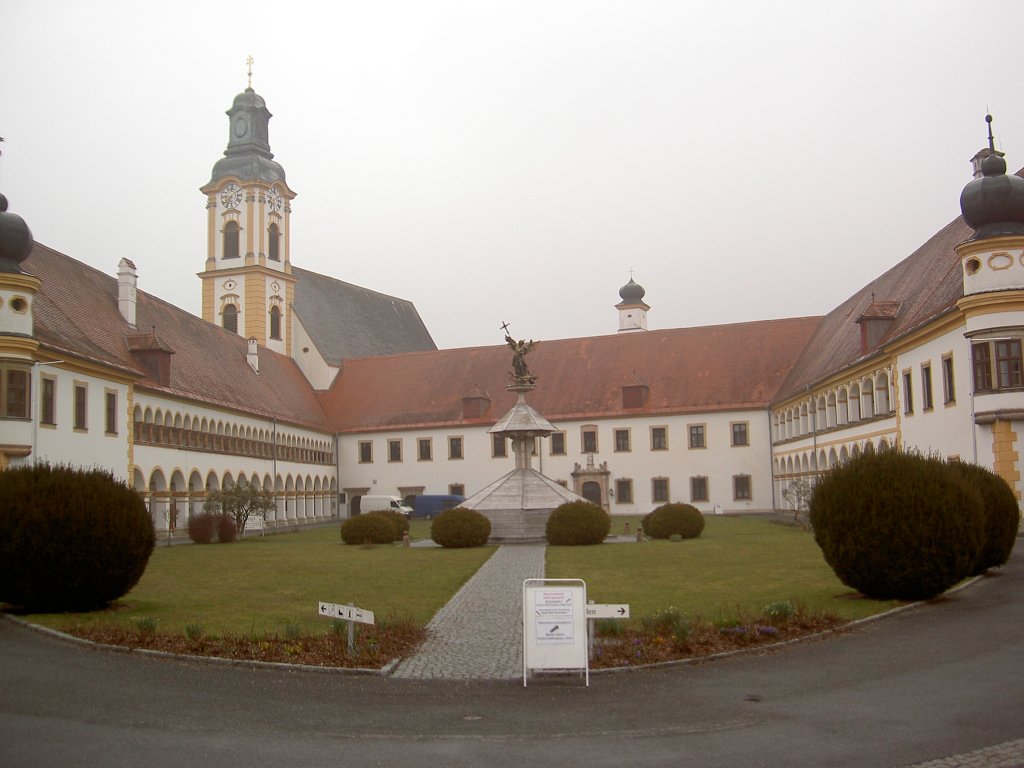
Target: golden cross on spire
{"type": "Point", "coordinates": [249, 62]}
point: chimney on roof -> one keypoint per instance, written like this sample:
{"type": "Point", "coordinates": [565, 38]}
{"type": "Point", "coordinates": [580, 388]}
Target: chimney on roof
{"type": "Point", "coordinates": [252, 354]}
{"type": "Point", "coordinates": [127, 283]}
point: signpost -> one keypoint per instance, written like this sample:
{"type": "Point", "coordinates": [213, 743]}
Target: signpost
{"type": "Point", "coordinates": [603, 611]}
{"type": "Point", "coordinates": [348, 613]}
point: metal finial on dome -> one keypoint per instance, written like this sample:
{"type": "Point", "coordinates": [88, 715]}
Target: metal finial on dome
{"type": "Point", "coordinates": [249, 61]}
{"type": "Point", "coordinates": [991, 138]}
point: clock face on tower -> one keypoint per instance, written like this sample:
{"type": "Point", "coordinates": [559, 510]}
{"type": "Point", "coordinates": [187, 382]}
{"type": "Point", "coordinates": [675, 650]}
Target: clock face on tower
{"type": "Point", "coordinates": [274, 201]}
{"type": "Point", "coordinates": [231, 197]}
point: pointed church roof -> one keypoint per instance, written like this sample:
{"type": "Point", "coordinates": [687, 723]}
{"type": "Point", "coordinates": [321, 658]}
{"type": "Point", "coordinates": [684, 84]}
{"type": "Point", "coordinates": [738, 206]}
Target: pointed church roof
{"type": "Point", "coordinates": [346, 320]}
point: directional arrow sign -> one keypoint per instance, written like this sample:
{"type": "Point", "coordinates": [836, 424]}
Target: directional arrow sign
{"type": "Point", "coordinates": [608, 611]}
{"type": "Point", "coordinates": [346, 612]}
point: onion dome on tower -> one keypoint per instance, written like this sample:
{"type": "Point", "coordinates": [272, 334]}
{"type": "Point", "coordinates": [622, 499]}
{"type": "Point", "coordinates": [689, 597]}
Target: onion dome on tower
{"type": "Point", "coordinates": [993, 204]}
{"type": "Point", "coordinates": [248, 155]}
{"type": "Point", "coordinates": [15, 239]}
{"type": "Point", "coordinates": [632, 309]}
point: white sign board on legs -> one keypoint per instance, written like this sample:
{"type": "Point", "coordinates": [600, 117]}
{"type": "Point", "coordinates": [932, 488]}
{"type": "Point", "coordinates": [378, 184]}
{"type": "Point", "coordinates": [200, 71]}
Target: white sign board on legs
{"type": "Point", "coordinates": [555, 625]}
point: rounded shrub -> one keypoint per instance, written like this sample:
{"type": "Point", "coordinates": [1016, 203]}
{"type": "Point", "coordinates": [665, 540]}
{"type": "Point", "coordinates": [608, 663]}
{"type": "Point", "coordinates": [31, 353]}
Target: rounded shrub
{"type": "Point", "coordinates": [675, 518]}
{"type": "Point", "coordinates": [397, 519]}
{"type": "Point", "coordinates": [460, 527]}
{"type": "Point", "coordinates": [577, 523]}
{"type": "Point", "coordinates": [227, 529]}
{"type": "Point", "coordinates": [367, 529]}
{"type": "Point", "coordinates": [202, 527]}
{"type": "Point", "coordinates": [1001, 513]}
{"type": "Point", "coordinates": [897, 525]}
{"type": "Point", "coordinates": [70, 539]}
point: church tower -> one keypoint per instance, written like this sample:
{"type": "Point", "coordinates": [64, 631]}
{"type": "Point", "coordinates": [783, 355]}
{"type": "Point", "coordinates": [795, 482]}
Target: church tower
{"type": "Point", "coordinates": [248, 285]}
{"type": "Point", "coordinates": [632, 309]}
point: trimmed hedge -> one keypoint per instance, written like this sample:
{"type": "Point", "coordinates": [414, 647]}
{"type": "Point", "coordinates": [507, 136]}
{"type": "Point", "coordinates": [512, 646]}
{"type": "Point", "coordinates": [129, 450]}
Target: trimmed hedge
{"type": "Point", "coordinates": [898, 526]}
{"type": "Point", "coordinates": [367, 529]}
{"type": "Point", "coordinates": [397, 519]}
{"type": "Point", "coordinates": [684, 520]}
{"type": "Point", "coordinates": [70, 539]}
{"type": "Point", "coordinates": [577, 523]}
{"type": "Point", "coordinates": [459, 528]}
{"type": "Point", "coordinates": [1002, 515]}
{"type": "Point", "coordinates": [202, 527]}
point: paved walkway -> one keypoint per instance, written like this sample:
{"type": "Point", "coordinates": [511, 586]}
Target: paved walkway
{"type": "Point", "coordinates": [1009, 754]}
{"type": "Point", "coordinates": [479, 633]}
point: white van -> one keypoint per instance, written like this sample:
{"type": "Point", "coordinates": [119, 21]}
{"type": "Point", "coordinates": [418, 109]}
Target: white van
{"type": "Point", "coordinates": [374, 503]}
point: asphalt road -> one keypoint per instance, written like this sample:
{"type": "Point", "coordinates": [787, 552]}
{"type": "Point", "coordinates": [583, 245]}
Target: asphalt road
{"type": "Point", "coordinates": [940, 679]}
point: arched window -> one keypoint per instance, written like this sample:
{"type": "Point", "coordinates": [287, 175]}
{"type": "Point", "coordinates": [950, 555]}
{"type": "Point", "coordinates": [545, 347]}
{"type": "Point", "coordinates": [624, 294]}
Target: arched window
{"type": "Point", "coordinates": [274, 243]}
{"type": "Point", "coordinates": [275, 323]}
{"type": "Point", "coordinates": [231, 318]}
{"type": "Point", "coordinates": [231, 240]}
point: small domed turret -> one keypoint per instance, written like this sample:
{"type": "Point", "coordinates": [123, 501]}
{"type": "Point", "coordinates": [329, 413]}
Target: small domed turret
{"type": "Point", "coordinates": [632, 292]}
{"type": "Point", "coordinates": [15, 239]}
{"type": "Point", "coordinates": [993, 204]}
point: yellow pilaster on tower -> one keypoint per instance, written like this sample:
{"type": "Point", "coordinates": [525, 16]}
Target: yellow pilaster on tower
{"type": "Point", "coordinates": [1007, 458]}
{"type": "Point", "coordinates": [256, 307]}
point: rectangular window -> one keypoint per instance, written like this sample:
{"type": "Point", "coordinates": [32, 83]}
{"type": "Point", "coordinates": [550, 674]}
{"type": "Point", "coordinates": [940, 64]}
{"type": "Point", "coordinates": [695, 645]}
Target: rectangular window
{"type": "Point", "coordinates": [558, 443]}
{"type": "Point", "coordinates": [110, 412]}
{"type": "Point", "coordinates": [48, 403]}
{"type": "Point", "coordinates": [1008, 363]}
{"type": "Point", "coordinates": [622, 440]}
{"type": "Point", "coordinates": [589, 437]}
{"type": "Point", "coordinates": [697, 436]}
{"type": "Point", "coordinates": [659, 438]}
{"type": "Point", "coordinates": [741, 487]}
{"type": "Point", "coordinates": [926, 387]}
{"type": "Point", "coordinates": [908, 393]}
{"type": "Point", "coordinates": [624, 491]}
{"type": "Point", "coordinates": [425, 449]}
{"type": "Point", "coordinates": [15, 384]}
{"type": "Point", "coordinates": [499, 448]}
{"type": "Point", "coordinates": [81, 398]}
{"type": "Point", "coordinates": [456, 489]}
{"type": "Point", "coordinates": [948, 385]}
{"type": "Point", "coordinates": [365, 452]}
{"type": "Point", "coordinates": [981, 360]}
{"type": "Point", "coordinates": [454, 447]}
{"type": "Point", "coordinates": [395, 450]}
{"type": "Point", "coordinates": [698, 489]}
{"type": "Point", "coordinates": [659, 489]}
{"type": "Point", "coordinates": [739, 433]}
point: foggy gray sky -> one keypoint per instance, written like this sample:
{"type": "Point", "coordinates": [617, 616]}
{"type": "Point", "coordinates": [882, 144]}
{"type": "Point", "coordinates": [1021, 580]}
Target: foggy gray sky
{"type": "Point", "coordinates": [511, 161]}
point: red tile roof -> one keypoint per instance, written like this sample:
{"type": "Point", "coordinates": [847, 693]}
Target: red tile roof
{"type": "Point", "coordinates": [76, 313]}
{"type": "Point", "coordinates": [712, 368]}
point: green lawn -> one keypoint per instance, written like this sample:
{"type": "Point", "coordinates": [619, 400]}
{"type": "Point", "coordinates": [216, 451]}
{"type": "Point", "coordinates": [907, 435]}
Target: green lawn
{"type": "Point", "coordinates": [272, 584]}
{"type": "Point", "coordinates": [738, 564]}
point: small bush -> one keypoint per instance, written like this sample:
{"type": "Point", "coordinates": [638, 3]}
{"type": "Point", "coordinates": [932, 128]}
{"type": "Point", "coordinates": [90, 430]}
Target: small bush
{"type": "Point", "coordinates": [1001, 513]}
{"type": "Point", "coordinates": [70, 539]}
{"type": "Point", "coordinates": [202, 527]}
{"type": "Point", "coordinates": [398, 520]}
{"type": "Point", "coordinates": [683, 519]}
{"type": "Point", "coordinates": [460, 527]}
{"type": "Point", "coordinates": [227, 530]}
{"type": "Point", "coordinates": [367, 529]}
{"type": "Point", "coordinates": [577, 523]}
{"type": "Point", "coordinates": [668, 622]}
{"type": "Point", "coordinates": [193, 631]}
{"type": "Point", "coordinates": [897, 526]}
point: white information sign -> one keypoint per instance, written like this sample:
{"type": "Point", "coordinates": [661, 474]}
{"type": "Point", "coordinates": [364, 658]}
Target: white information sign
{"type": "Point", "coordinates": [608, 611]}
{"type": "Point", "coordinates": [555, 625]}
{"type": "Point", "coordinates": [346, 612]}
